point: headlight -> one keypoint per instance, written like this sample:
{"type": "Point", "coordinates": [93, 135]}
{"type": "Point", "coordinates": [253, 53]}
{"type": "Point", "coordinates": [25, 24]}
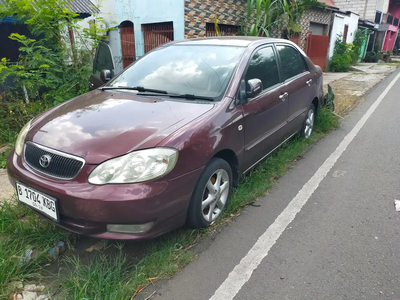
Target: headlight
{"type": "Point", "coordinates": [136, 166]}
{"type": "Point", "coordinates": [19, 145]}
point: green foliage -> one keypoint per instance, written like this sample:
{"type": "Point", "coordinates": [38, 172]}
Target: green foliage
{"type": "Point", "coordinates": [359, 39]}
{"type": "Point", "coordinates": [275, 14]}
{"type": "Point", "coordinates": [329, 99]}
{"type": "Point", "coordinates": [20, 230]}
{"type": "Point", "coordinates": [343, 56]}
{"type": "Point", "coordinates": [371, 57]}
{"type": "Point", "coordinates": [340, 63]}
{"type": "Point", "coordinates": [14, 115]}
{"type": "Point", "coordinates": [386, 56]}
{"type": "Point", "coordinates": [50, 69]}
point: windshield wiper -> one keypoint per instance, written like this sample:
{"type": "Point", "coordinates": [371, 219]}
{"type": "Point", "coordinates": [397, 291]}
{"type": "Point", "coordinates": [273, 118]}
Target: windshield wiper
{"type": "Point", "coordinates": [141, 89]}
{"type": "Point", "coordinates": [133, 88]}
{"type": "Point", "coordinates": [191, 97]}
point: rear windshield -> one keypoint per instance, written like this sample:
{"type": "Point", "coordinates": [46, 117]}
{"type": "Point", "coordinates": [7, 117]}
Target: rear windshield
{"type": "Point", "coordinates": [188, 69]}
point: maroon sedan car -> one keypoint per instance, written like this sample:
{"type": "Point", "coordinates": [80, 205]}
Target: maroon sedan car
{"type": "Point", "coordinates": [164, 142]}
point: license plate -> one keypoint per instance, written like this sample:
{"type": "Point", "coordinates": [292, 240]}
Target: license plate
{"type": "Point", "coordinates": [44, 204]}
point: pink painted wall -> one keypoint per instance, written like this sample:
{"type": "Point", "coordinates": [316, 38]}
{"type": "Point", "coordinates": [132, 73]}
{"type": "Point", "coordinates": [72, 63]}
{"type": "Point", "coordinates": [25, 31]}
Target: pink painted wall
{"type": "Point", "coordinates": [391, 35]}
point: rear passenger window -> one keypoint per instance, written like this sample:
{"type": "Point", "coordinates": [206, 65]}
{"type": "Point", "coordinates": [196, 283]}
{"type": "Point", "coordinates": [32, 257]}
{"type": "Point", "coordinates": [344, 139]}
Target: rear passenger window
{"type": "Point", "coordinates": [291, 61]}
{"type": "Point", "coordinates": [263, 66]}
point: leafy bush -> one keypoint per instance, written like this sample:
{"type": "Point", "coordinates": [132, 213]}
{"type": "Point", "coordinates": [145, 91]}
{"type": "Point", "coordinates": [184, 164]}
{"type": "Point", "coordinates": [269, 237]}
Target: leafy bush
{"type": "Point", "coordinates": [386, 56]}
{"type": "Point", "coordinates": [343, 57]}
{"type": "Point", "coordinates": [371, 57]}
{"type": "Point", "coordinates": [340, 63]}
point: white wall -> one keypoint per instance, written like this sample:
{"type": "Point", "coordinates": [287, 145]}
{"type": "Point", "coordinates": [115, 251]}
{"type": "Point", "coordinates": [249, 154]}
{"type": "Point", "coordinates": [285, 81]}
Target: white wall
{"type": "Point", "coordinates": [107, 12]}
{"type": "Point", "coordinates": [383, 6]}
{"type": "Point", "coordinates": [340, 20]}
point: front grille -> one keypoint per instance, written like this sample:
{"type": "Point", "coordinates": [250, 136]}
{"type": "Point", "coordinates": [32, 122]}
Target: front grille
{"type": "Point", "coordinates": [60, 166]}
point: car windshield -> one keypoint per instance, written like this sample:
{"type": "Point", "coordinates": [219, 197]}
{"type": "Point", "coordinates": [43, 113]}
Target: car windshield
{"type": "Point", "coordinates": [202, 70]}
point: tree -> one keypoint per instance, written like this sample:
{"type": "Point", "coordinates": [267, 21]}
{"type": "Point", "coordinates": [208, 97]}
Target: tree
{"type": "Point", "coordinates": [50, 67]}
{"type": "Point", "coordinates": [273, 14]}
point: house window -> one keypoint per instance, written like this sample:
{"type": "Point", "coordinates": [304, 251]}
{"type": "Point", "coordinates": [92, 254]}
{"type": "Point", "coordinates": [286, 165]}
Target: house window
{"type": "Point", "coordinates": [378, 17]}
{"type": "Point", "coordinates": [389, 19]}
{"type": "Point", "coordinates": [223, 30]}
{"type": "Point", "coordinates": [317, 28]}
{"type": "Point", "coordinates": [396, 22]}
{"type": "Point", "coordinates": [157, 34]}
{"type": "Point", "coordinates": [371, 42]}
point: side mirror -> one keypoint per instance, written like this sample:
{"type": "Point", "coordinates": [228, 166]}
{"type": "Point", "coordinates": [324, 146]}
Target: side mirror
{"type": "Point", "coordinates": [105, 75]}
{"type": "Point", "coordinates": [254, 88]}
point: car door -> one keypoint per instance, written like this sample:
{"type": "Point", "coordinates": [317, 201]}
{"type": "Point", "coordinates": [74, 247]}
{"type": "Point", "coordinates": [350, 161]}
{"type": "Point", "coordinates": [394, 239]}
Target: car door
{"type": "Point", "coordinates": [103, 60]}
{"type": "Point", "coordinates": [298, 81]}
{"type": "Point", "coordinates": [264, 115]}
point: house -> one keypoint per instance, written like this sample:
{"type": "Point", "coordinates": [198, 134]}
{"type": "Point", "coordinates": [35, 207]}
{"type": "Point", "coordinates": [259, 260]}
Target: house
{"type": "Point", "coordinates": [314, 37]}
{"type": "Point", "coordinates": [144, 25]}
{"type": "Point", "coordinates": [344, 26]}
{"type": "Point", "coordinates": [390, 24]}
{"type": "Point", "coordinates": [381, 16]}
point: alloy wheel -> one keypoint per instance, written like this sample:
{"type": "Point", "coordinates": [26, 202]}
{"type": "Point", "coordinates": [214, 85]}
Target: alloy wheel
{"type": "Point", "coordinates": [215, 195]}
{"type": "Point", "coordinates": [309, 124]}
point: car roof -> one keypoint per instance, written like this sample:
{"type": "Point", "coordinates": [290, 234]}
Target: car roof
{"type": "Point", "coordinates": [241, 41]}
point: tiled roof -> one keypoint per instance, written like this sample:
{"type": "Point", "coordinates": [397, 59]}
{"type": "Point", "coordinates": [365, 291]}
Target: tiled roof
{"type": "Point", "coordinates": [329, 3]}
{"type": "Point", "coordinates": [81, 6]}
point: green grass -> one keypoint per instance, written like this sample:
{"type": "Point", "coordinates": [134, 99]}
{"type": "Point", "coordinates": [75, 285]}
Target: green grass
{"type": "Point", "coordinates": [116, 275]}
{"type": "Point", "coordinates": [21, 230]}
{"type": "Point", "coordinates": [3, 159]}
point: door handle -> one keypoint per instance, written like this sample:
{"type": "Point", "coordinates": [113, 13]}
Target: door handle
{"type": "Point", "coordinates": [283, 96]}
{"type": "Point", "coordinates": [309, 82]}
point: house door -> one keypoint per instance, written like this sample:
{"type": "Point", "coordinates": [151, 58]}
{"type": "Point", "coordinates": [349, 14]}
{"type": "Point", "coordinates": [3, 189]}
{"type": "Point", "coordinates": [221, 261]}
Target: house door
{"type": "Point", "coordinates": [317, 49]}
{"type": "Point", "coordinates": [127, 43]}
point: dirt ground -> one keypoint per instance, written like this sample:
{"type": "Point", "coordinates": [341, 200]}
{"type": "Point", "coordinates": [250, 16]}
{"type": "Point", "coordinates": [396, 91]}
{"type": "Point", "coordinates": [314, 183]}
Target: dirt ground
{"type": "Point", "coordinates": [350, 89]}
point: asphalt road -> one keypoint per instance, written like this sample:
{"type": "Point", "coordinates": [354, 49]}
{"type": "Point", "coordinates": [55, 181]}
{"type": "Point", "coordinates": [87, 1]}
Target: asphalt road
{"type": "Point", "coordinates": [344, 241]}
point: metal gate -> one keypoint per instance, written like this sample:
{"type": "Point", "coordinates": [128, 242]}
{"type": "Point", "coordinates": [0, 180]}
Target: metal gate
{"type": "Point", "coordinates": [317, 49]}
{"type": "Point", "coordinates": [127, 46]}
{"type": "Point", "coordinates": [157, 34]}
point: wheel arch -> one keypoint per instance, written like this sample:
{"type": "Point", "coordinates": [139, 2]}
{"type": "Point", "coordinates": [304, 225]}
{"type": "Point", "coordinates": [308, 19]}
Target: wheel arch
{"type": "Point", "coordinates": [316, 104]}
{"type": "Point", "coordinates": [230, 157]}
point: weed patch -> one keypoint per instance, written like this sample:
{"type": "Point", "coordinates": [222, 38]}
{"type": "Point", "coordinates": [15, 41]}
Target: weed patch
{"type": "Point", "coordinates": [21, 230]}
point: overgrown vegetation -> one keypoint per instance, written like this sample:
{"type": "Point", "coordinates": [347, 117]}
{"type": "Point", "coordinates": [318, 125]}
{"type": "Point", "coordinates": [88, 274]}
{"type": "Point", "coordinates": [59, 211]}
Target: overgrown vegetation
{"type": "Point", "coordinates": [50, 69]}
{"type": "Point", "coordinates": [280, 15]}
{"type": "Point", "coordinates": [21, 231]}
{"type": "Point", "coordinates": [347, 54]}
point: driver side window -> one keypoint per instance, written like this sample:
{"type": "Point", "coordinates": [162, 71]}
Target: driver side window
{"type": "Point", "coordinates": [263, 66]}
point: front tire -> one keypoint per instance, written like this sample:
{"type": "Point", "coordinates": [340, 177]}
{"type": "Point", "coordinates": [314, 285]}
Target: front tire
{"type": "Point", "coordinates": [211, 194]}
{"type": "Point", "coordinates": [309, 123]}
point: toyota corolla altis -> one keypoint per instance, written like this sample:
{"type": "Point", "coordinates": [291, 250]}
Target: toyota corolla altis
{"type": "Point", "coordinates": [164, 142]}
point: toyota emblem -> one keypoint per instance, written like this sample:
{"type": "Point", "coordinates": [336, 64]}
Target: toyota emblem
{"type": "Point", "coordinates": [45, 160]}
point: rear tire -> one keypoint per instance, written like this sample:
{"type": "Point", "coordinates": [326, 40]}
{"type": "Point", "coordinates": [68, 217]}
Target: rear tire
{"type": "Point", "coordinates": [309, 122]}
{"type": "Point", "coordinates": [211, 194]}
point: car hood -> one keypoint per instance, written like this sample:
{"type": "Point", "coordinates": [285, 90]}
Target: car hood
{"type": "Point", "coordinates": [100, 125]}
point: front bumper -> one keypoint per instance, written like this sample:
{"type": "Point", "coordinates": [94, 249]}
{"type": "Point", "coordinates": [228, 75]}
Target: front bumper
{"type": "Point", "coordinates": [87, 209]}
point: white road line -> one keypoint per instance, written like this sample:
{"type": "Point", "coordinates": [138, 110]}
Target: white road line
{"type": "Point", "coordinates": [242, 272]}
